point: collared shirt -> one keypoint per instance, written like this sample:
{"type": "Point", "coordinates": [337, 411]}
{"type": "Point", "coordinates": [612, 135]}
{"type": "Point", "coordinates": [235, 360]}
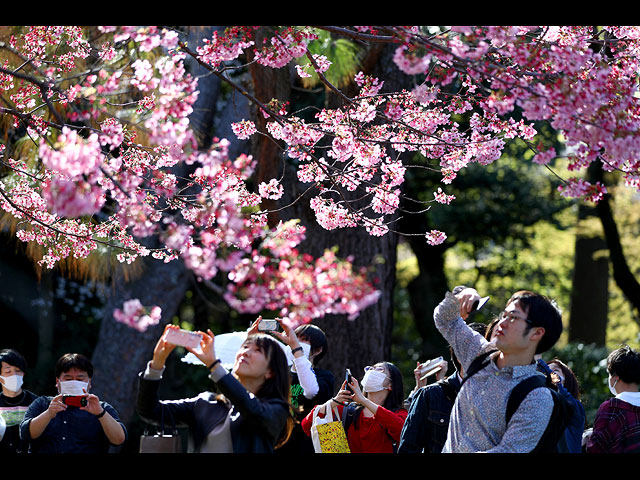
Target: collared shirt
{"type": "Point", "coordinates": [478, 421]}
{"type": "Point", "coordinates": [70, 431]}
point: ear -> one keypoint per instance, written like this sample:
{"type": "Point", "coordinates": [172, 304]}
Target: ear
{"type": "Point", "coordinates": [268, 375]}
{"type": "Point", "coordinates": [537, 333]}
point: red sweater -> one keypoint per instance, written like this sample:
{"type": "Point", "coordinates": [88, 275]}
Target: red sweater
{"type": "Point", "coordinates": [373, 434]}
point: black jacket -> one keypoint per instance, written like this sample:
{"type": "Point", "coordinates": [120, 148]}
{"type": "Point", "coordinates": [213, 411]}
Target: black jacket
{"type": "Point", "coordinates": [425, 429]}
{"type": "Point", "coordinates": [256, 424]}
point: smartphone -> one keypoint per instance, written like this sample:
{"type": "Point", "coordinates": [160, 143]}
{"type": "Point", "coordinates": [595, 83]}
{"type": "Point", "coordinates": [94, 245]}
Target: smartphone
{"type": "Point", "coordinates": [75, 400]}
{"type": "Point", "coordinates": [478, 304]}
{"type": "Point", "coordinates": [268, 325]}
{"type": "Point", "coordinates": [430, 368]}
{"type": "Point", "coordinates": [347, 378]}
{"type": "Point", "coordinates": [184, 338]}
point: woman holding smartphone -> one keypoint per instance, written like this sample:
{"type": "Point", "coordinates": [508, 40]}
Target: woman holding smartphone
{"type": "Point", "coordinates": [252, 414]}
{"type": "Point", "coordinates": [376, 413]}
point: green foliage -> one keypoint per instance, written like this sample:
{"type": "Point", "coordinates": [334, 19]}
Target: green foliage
{"type": "Point", "coordinates": [344, 55]}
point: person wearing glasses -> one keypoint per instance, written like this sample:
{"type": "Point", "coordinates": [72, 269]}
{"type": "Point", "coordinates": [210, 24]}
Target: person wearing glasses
{"type": "Point", "coordinates": [375, 413]}
{"type": "Point", "coordinates": [530, 324]}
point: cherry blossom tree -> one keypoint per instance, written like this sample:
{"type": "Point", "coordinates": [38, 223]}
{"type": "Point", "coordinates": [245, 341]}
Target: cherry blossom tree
{"type": "Point", "coordinates": [99, 154]}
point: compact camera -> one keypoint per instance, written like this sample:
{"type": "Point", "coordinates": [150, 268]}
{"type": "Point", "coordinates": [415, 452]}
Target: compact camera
{"type": "Point", "coordinates": [268, 325]}
{"type": "Point", "coordinates": [75, 400]}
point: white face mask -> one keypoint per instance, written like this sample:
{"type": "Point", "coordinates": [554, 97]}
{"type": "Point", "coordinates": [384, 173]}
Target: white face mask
{"type": "Point", "coordinates": [612, 388]}
{"type": "Point", "coordinates": [12, 383]}
{"type": "Point", "coordinates": [73, 387]}
{"type": "Point", "coordinates": [373, 381]}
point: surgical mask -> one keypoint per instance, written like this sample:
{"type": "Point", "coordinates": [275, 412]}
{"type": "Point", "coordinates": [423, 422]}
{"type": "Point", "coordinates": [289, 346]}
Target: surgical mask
{"type": "Point", "coordinates": [13, 382]}
{"type": "Point", "coordinates": [373, 381]}
{"type": "Point", "coordinates": [73, 387]}
{"type": "Point", "coordinates": [612, 388]}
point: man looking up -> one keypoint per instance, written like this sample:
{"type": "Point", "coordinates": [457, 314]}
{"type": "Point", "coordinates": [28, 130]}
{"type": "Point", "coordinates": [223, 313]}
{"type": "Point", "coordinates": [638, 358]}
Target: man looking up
{"type": "Point", "coordinates": [529, 325]}
{"type": "Point", "coordinates": [56, 425]}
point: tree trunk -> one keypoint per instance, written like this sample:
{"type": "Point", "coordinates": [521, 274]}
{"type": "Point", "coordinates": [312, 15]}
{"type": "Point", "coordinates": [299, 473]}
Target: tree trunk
{"type": "Point", "coordinates": [590, 289]}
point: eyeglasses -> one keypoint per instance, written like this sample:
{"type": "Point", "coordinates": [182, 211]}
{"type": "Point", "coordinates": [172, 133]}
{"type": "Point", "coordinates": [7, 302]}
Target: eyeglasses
{"type": "Point", "coordinates": [377, 368]}
{"type": "Point", "coordinates": [511, 317]}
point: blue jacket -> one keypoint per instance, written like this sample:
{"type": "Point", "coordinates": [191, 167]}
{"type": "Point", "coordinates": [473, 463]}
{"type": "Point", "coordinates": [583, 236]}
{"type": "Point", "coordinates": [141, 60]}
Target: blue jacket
{"type": "Point", "coordinates": [426, 426]}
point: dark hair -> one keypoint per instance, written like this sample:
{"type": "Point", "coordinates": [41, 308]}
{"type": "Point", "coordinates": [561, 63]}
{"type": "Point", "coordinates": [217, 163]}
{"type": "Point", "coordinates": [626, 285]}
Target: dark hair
{"type": "Point", "coordinates": [13, 358]}
{"type": "Point", "coordinates": [316, 338]}
{"type": "Point", "coordinates": [570, 379]}
{"type": "Point", "coordinates": [279, 384]}
{"type": "Point", "coordinates": [73, 360]}
{"type": "Point", "coordinates": [541, 312]}
{"type": "Point", "coordinates": [625, 363]}
{"type": "Point", "coordinates": [395, 399]}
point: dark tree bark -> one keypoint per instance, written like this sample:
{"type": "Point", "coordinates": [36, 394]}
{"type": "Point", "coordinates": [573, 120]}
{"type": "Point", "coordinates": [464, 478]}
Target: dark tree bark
{"type": "Point", "coordinates": [590, 286]}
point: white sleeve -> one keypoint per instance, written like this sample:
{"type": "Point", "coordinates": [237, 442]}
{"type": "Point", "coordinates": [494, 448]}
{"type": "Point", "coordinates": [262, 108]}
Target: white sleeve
{"type": "Point", "coordinates": [151, 373]}
{"type": "Point", "coordinates": [307, 378]}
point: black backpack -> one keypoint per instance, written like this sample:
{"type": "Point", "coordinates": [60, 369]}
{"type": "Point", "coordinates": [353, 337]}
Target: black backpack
{"type": "Point", "coordinates": [553, 435]}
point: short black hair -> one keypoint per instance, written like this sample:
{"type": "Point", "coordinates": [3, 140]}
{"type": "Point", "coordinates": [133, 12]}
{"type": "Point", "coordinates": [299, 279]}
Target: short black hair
{"type": "Point", "coordinates": [73, 360]}
{"type": "Point", "coordinates": [625, 363]}
{"type": "Point", "coordinates": [316, 338]}
{"type": "Point", "coordinates": [13, 358]}
{"type": "Point", "coordinates": [541, 312]}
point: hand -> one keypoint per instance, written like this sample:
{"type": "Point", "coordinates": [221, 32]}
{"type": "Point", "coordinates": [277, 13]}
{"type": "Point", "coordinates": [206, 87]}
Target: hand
{"type": "Point", "coordinates": [417, 375]}
{"type": "Point", "coordinates": [467, 298]}
{"type": "Point", "coordinates": [442, 373]}
{"type": "Point", "coordinates": [93, 404]}
{"type": "Point", "coordinates": [287, 336]}
{"type": "Point", "coordinates": [357, 395]}
{"type": "Point", "coordinates": [206, 354]}
{"type": "Point", "coordinates": [162, 349]}
{"type": "Point", "coordinates": [254, 326]}
{"type": "Point", "coordinates": [55, 407]}
{"type": "Point", "coordinates": [344, 395]}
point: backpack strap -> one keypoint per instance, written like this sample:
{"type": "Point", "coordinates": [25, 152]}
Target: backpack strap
{"type": "Point", "coordinates": [449, 390]}
{"type": "Point", "coordinates": [478, 363]}
{"type": "Point", "coordinates": [520, 391]}
{"type": "Point", "coordinates": [349, 414]}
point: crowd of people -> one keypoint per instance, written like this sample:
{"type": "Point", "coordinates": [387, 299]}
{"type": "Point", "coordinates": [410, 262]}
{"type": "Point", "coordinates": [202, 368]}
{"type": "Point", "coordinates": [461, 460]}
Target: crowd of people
{"type": "Point", "coordinates": [501, 396]}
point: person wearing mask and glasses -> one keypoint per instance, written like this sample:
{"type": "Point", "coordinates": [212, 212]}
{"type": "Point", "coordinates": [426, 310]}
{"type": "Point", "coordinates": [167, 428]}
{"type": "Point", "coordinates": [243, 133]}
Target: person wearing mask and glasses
{"type": "Point", "coordinates": [375, 413]}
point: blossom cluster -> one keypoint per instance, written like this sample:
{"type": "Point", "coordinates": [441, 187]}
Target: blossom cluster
{"type": "Point", "coordinates": [105, 174]}
{"type": "Point", "coordinates": [137, 316]}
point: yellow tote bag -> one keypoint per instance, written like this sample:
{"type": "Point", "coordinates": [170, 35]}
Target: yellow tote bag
{"type": "Point", "coordinates": [327, 433]}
